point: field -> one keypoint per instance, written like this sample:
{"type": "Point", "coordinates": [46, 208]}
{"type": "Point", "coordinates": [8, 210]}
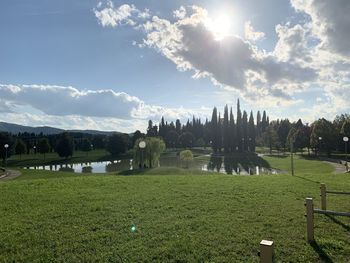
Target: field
{"type": "Point", "coordinates": [171, 215]}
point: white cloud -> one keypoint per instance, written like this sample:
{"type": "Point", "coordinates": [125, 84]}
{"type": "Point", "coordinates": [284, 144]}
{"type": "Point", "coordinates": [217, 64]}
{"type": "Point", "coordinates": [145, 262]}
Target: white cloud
{"type": "Point", "coordinates": [228, 62]}
{"type": "Point", "coordinates": [304, 54]}
{"type": "Point", "coordinates": [124, 14]}
{"type": "Point", "coordinates": [251, 34]}
{"type": "Point", "coordinates": [68, 107]}
{"type": "Point", "coordinates": [180, 13]}
{"type": "Point", "coordinates": [330, 22]}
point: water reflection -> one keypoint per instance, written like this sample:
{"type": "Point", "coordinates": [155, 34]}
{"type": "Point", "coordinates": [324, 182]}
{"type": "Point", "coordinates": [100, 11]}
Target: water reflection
{"type": "Point", "coordinates": [243, 165]}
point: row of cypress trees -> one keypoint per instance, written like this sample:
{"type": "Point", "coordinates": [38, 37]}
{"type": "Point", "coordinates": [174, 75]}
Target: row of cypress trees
{"type": "Point", "coordinates": [239, 135]}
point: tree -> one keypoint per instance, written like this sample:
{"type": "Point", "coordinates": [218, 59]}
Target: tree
{"type": "Point", "coordinates": [44, 146]}
{"type": "Point", "coordinates": [239, 135]}
{"type": "Point", "coordinates": [251, 133]}
{"type": "Point", "coordinates": [232, 127]}
{"type": "Point", "coordinates": [258, 124]}
{"type": "Point", "coordinates": [186, 156]}
{"type": "Point", "coordinates": [137, 135]}
{"type": "Point", "coordinates": [65, 145]}
{"type": "Point", "coordinates": [323, 136]}
{"type": "Point", "coordinates": [214, 130]}
{"type": "Point", "coordinates": [86, 145]}
{"type": "Point", "coordinates": [264, 123]}
{"type": "Point", "coordinates": [152, 131]}
{"type": "Point", "coordinates": [282, 132]}
{"type": "Point", "coordinates": [270, 138]}
{"type": "Point", "coordinates": [219, 134]}
{"type": "Point", "coordinates": [116, 144]}
{"type": "Point", "coordinates": [226, 131]}
{"type": "Point", "coordinates": [186, 140]}
{"type": "Point", "coordinates": [345, 129]}
{"type": "Point", "coordinates": [178, 126]}
{"type": "Point", "coordinates": [149, 156]}
{"type": "Point", "coordinates": [20, 147]}
{"type": "Point", "coordinates": [171, 139]}
{"type": "Point", "coordinates": [6, 138]}
{"type": "Point", "coordinates": [245, 131]}
{"type": "Point", "coordinates": [99, 141]}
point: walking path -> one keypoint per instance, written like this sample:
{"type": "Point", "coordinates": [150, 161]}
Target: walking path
{"type": "Point", "coordinates": [9, 175]}
{"type": "Point", "coordinates": [338, 168]}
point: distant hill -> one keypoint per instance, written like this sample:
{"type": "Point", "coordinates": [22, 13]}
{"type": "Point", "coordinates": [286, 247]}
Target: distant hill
{"type": "Point", "coordinates": [15, 128]}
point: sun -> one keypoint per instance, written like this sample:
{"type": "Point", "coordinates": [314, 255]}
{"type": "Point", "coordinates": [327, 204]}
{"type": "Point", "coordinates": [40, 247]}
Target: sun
{"type": "Point", "coordinates": [220, 26]}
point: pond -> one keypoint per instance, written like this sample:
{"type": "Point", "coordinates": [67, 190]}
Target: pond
{"type": "Point", "coordinates": [221, 164]}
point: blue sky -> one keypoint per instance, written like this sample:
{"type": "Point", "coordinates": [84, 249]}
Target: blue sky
{"type": "Point", "coordinates": [73, 49]}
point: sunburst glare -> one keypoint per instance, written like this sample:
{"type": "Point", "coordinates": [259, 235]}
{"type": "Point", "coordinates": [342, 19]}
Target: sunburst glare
{"type": "Point", "coordinates": [220, 26]}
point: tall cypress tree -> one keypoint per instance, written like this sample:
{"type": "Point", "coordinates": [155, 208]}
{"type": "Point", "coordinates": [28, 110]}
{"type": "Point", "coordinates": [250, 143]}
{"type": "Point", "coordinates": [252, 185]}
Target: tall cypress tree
{"type": "Point", "coordinates": [219, 134]}
{"type": "Point", "coordinates": [258, 124]}
{"type": "Point", "coordinates": [232, 132]}
{"type": "Point", "coordinates": [251, 133]}
{"type": "Point", "coordinates": [245, 131]}
{"type": "Point", "coordinates": [178, 126]}
{"type": "Point", "coordinates": [226, 131]}
{"type": "Point", "coordinates": [213, 130]}
{"type": "Point", "coordinates": [239, 136]}
{"type": "Point", "coordinates": [162, 128]}
{"type": "Point", "coordinates": [264, 122]}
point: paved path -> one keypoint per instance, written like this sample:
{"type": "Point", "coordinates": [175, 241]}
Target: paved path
{"type": "Point", "coordinates": [338, 168]}
{"type": "Point", "coordinates": [9, 175]}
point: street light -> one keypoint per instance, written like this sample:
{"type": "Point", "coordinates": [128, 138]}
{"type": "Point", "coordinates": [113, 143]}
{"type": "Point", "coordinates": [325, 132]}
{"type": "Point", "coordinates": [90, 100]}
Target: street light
{"type": "Point", "coordinates": [319, 139]}
{"type": "Point", "coordinates": [142, 146]}
{"type": "Point", "coordinates": [6, 146]}
{"type": "Point", "coordinates": [34, 147]}
{"type": "Point", "coordinates": [346, 139]}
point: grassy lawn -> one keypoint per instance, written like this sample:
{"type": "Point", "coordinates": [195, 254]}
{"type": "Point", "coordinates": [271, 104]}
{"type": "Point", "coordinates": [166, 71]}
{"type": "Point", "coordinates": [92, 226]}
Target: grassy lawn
{"type": "Point", "coordinates": [190, 217]}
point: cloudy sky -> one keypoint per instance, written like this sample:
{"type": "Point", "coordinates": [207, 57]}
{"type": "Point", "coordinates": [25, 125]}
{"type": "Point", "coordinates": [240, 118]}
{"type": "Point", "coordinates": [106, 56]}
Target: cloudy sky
{"type": "Point", "coordinates": [112, 65]}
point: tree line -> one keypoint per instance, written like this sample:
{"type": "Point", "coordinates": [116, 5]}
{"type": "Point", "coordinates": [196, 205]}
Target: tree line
{"type": "Point", "coordinates": [64, 144]}
{"type": "Point", "coordinates": [239, 132]}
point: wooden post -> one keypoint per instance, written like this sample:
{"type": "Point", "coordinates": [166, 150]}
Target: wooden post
{"type": "Point", "coordinates": [310, 219]}
{"type": "Point", "coordinates": [266, 251]}
{"type": "Point", "coordinates": [323, 197]}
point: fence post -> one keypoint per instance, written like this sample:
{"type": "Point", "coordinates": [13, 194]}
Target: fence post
{"type": "Point", "coordinates": [266, 251]}
{"type": "Point", "coordinates": [323, 197]}
{"type": "Point", "coordinates": [310, 219]}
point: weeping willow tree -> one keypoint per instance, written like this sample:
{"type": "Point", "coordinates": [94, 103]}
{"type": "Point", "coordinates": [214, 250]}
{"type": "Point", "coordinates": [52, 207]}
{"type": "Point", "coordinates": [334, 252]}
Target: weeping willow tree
{"type": "Point", "coordinates": [149, 155]}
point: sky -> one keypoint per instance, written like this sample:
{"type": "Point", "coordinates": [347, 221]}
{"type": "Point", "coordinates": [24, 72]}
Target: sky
{"type": "Point", "coordinates": [113, 65]}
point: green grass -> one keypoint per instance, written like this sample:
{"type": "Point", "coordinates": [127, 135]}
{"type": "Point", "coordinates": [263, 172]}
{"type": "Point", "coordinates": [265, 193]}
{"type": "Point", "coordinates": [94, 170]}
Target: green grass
{"type": "Point", "coordinates": [66, 217]}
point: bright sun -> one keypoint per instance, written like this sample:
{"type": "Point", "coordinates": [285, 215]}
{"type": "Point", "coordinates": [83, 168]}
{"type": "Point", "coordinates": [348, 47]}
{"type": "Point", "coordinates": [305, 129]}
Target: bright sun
{"type": "Point", "coordinates": [220, 26]}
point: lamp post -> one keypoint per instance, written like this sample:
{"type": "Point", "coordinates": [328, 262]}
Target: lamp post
{"type": "Point", "coordinates": [6, 146]}
{"type": "Point", "coordinates": [34, 147]}
{"type": "Point", "coordinates": [346, 139]}
{"type": "Point", "coordinates": [142, 146]}
{"type": "Point", "coordinates": [319, 147]}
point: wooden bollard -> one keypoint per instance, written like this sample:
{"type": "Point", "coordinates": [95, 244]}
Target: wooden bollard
{"type": "Point", "coordinates": [309, 219]}
{"type": "Point", "coordinates": [266, 251]}
{"type": "Point", "coordinates": [323, 197]}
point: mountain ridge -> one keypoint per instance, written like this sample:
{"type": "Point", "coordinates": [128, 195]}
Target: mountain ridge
{"type": "Point", "coordinates": [46, 130]}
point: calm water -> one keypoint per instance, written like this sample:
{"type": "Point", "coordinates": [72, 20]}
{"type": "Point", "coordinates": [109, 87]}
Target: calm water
{"type": "Point", "coordinates": [206, 163]}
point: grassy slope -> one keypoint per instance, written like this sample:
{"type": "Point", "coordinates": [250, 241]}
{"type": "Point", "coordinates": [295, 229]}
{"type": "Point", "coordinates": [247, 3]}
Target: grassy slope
{"type": "Point", "coordinates": [214, 218]}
